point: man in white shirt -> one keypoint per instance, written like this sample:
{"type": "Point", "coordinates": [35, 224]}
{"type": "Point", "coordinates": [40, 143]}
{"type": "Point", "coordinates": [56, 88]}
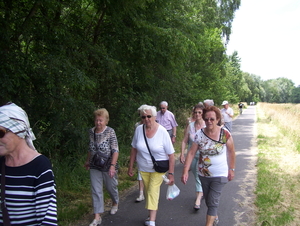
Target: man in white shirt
{"type": "Point", "coordinates": [227, 113]}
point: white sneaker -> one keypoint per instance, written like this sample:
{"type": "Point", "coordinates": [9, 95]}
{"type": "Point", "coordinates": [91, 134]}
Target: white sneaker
{"type": "Point", "coordinates": [96, 222]}
{"type": "Point", "coordinates": [113, 210]}
{"type": "Point", "coordinates": [149, 223]}
{"type": "Point", "coordinates": [140, 198]}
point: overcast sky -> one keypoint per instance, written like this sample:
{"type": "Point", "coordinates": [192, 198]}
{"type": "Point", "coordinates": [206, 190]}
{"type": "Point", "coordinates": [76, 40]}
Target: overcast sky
{"type": "Point", "coordinates": [266, 35]}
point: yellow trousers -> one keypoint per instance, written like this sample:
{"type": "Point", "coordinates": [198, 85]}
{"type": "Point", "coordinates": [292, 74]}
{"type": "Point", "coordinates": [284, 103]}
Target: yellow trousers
{"type": "Point", "coordinates": [152, 182]}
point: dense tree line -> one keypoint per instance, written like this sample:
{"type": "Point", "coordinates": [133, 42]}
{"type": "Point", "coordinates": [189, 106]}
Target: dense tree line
{"type": "Point", "coordinates": [62, 59]}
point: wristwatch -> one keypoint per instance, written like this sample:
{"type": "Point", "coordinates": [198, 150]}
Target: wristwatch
{"type": "Point", "coordinates": [232, 169]}
{"type": "Point", "coordinates": [171, 174]}
{"type": "Point", "coordinates": [173, 135]}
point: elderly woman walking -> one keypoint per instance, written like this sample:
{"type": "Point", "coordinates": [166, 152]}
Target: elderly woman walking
{"type": "Point", "coordinates": [216, 161]}
{"type": "Point", "coordinates": [189, 136]}
{"type": "Point", "coordinates": [102, 162]}
{"type": "Point", "coordinates": [161, 147]}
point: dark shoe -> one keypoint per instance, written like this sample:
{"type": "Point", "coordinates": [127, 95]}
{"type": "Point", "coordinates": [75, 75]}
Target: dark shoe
{"type": "Point", "coordinates": [197, 207]}
{"type": "Point", "coordinates": [147, 221]}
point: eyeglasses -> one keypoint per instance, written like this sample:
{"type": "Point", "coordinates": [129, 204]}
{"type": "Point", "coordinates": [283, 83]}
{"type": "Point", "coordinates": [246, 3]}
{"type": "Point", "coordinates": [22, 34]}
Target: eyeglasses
{"type": "Point", "coordinates": [209, 119]}
{"type": "Point", "coordinates": [162, 108]}
{"type": "Point", "coordinates": [148, 116]}
{"type": "Point", "coordinates": [198, 112]}
{"type": "Point", "coordinates": [3, 132]}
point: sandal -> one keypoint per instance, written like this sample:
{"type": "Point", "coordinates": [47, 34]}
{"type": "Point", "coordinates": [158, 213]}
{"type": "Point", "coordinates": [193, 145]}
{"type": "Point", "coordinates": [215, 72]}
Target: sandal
{"type": "Point", "coordinates": [197, 207]}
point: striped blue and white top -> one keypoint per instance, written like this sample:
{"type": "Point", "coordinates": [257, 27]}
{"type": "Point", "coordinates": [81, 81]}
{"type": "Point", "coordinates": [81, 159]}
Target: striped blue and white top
{"type": "Point", "coordinates": [30, 193]}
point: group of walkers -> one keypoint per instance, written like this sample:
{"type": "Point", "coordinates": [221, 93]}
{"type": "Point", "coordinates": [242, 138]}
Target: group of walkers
{"type": "Point", "coordinates": [207, 139]}
{"type": "Point", "coordinates": [210, 156]}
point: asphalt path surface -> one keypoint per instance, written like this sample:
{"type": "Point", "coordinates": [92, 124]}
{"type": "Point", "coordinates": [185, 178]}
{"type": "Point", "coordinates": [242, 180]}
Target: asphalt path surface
{"type": "Point", "coordinates": [236, 204]}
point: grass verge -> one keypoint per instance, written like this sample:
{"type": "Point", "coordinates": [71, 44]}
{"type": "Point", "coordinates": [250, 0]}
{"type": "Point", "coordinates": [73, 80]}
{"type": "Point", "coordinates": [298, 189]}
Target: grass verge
{"type": "Point", "coordinates": [278, 167]}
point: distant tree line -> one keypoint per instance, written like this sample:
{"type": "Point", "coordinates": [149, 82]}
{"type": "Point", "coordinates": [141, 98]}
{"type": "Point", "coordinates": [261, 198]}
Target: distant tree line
{"type": "Point", "coordinates": [251, 88]}
{"type": "Point", "coordinates": [60, 60]}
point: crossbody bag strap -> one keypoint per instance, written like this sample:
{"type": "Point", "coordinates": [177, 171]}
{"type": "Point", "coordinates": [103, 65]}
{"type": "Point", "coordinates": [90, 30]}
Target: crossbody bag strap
{"type": "Point", "coordinates": [6, 220]}
{"type": "Point", "coordinates": [95, 142]}
{"type": "Point", "coordinates": [153, 159]}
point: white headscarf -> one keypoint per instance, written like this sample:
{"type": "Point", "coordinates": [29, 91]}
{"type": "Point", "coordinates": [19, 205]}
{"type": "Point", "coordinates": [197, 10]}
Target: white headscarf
{"type": "Point", "coordinates": [15, 119]}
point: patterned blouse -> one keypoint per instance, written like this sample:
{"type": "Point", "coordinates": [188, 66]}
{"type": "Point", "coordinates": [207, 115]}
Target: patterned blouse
{"type": "Point", "coordinates": [213, 154]}
{"type": "Point", "coordinates": [105, 142]}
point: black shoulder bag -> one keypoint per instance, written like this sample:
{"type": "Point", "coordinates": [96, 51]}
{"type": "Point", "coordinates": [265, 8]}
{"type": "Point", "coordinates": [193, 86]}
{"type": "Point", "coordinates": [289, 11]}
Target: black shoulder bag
{"type": "Point", "coordinates": [159, 166]}
{"type": "Point", "coordinates": [100, 161]}
{"type": "Point", "coordinates": [6, 220]}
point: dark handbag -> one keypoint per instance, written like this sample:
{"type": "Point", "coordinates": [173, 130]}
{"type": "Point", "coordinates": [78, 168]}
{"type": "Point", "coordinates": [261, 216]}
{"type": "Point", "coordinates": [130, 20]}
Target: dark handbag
{"type": "Point", "coordinates": [6, 220]}
{"type": "Point", "coordinates": [100, 160]}
{"type": "Point", "coordinates": [159, 166]}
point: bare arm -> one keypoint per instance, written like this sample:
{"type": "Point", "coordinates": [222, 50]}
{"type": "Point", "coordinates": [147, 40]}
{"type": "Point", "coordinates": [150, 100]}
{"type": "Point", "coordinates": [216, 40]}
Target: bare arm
{"type": "Point", "coordinates": [174, 129]}
{"type": "Point", "coordinates": [184, 143]}
{"type": "Point", "coordinates": [131, 161]}
{"type": "Point", "coordinates": [87, 162]}
{"type": "Point", "coordinates": [112, 169]}
{"type": "Point", "coordinates": [171, 169]}
{"type": "Point", "coordinates": [231, 158]}
{"type": "Point", "coordinates": [188, 161]}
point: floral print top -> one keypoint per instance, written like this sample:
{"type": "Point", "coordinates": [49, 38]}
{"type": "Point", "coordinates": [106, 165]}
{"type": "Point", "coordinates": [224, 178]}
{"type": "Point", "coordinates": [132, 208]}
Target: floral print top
{"type": "Point", "coordinates": [213, 154]}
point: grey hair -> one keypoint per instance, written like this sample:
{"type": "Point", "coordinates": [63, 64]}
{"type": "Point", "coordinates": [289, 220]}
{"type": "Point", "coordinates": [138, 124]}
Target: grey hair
{"type": "Point", "coordinates": [164, 103]}
{"type": "Point", "coordinates": [209, 102]}
{"type": "Point", "coordinates": [143, 108]}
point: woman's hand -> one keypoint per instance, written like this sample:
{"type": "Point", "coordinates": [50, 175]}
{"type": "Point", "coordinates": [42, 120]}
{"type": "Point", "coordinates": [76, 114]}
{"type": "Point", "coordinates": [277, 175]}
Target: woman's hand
{"type": "Point", "coordinates": [182, 158]}
{"type": "Point", "coordinates": [130, 172]}
{"type": "Point", "coordinates": [112, 171]}
{"type": "Point", "coordinates": [230, 175]}
{"type": "Point", "coordinates": [184, 178]}
{"type": "Point", "coordinates": [87, 165]}
{"type": "Point", "coordinates": [171, 179]}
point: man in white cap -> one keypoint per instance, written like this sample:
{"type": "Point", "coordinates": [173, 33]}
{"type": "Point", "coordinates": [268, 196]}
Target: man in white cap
{"type": "Point", "coordinates": [227, 113]}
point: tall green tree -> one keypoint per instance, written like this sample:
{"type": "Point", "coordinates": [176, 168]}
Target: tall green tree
{"type": "Point", "coordinates": [63, 59]}
{"type": "Point", "coordinates": [278, 90]}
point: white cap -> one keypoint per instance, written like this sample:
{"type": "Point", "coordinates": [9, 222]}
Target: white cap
{"type": "Point", "coordinates": [224, 102]}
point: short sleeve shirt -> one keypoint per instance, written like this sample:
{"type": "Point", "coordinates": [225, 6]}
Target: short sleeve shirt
{"type": "Point", "coordinates": [213, 154]}
{"type": "Point", "coordinates": [160, 146]}
{"type": "Point", "coordinates": [226, 117]}
{"type": "Point", "coordinates": [167, 119]}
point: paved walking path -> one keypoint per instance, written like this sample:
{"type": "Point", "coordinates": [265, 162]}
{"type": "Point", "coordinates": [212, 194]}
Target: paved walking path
{"type": "Point", "coordinates": [236, 205]}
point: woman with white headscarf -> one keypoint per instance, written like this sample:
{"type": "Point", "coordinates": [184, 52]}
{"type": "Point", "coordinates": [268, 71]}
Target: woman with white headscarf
{"type": "Point", "coordinates": [30, 190]}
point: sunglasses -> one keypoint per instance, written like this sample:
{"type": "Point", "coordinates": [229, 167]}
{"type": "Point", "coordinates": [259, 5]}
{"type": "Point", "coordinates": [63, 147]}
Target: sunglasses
{"type": "Point", "coordinates": [162, 108]}
{"type": "Point", "coordinates": [148, 116]}
{"type": "Point", "coordinates": [198, 112]}
{"type": "Point", "coordinates": [3, 132]}
{"type": "Point", "coordinates": [209, 119]}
